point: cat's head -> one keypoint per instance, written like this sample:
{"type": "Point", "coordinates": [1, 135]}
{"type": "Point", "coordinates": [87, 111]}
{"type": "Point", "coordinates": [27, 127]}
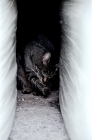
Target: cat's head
{"type": "Point", "coordinates": [47, 69]}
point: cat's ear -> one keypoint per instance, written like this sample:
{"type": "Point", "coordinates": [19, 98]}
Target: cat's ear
{"type": "Point", "coordinates": [46, 58]}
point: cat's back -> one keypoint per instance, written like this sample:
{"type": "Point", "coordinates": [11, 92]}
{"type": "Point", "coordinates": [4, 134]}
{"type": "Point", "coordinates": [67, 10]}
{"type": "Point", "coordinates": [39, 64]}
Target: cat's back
{"type": "Point", "coordinates": [44, 41]}
{"type": "Point", "coordinates": [41, 43]}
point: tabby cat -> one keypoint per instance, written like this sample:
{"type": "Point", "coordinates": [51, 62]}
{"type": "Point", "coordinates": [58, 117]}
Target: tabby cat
{"type": "Point", "coordinates": [36, 66]}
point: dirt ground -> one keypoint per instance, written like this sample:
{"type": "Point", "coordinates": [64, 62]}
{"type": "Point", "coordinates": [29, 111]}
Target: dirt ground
{"type": "Point", "coordinates": [38, 118]}
{"type": "Point", "coordinates": [51, 100]}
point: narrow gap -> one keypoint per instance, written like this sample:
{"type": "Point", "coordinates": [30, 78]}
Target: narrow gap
{"type": "Point", "coordinates": [39, 17]}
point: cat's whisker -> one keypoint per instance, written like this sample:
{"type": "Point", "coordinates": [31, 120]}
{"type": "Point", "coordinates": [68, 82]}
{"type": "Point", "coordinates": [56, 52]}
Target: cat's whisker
{"type": "Point", "coordinates": [49, 84]}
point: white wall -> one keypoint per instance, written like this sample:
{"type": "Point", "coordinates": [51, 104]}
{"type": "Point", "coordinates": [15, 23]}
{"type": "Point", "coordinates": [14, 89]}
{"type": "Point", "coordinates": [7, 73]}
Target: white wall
{"type": "Point", "coordinates": [76, 69]}
{"type": "Point", "coordinates": [8, 16]}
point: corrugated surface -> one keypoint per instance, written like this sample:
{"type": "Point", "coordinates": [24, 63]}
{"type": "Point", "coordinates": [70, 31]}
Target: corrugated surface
{"type": "Point", "coordinates": [76, 69]}
{"type": "Point", "coordinates": [8, 67]}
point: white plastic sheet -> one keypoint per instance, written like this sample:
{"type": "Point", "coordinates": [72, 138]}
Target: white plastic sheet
{"type": "Point", "coordinates": [76, 69]}
{"type": "Point", "coordinates": [8, 67]}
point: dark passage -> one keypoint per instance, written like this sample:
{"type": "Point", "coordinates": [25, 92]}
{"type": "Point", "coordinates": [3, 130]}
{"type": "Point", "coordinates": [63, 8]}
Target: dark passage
{"type": "Point", "coordinates": [39, 17]}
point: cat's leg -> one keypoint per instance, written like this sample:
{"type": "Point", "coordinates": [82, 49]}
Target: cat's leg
{"type": "Point", "coordinates": [36, 83]}
{"type": "Point", "coordinates": [43, 88]}
{"type": "Point", "coordinates": [23, 81]}
{"type": "Point", "coordinates": [40, 86]}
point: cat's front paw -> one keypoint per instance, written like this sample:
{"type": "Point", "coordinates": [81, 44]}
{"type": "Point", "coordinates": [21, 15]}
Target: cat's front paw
{"type": "Point", "coordinates": [26, 91]}
{"type": "Point", "coordinates": [46, 91]}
